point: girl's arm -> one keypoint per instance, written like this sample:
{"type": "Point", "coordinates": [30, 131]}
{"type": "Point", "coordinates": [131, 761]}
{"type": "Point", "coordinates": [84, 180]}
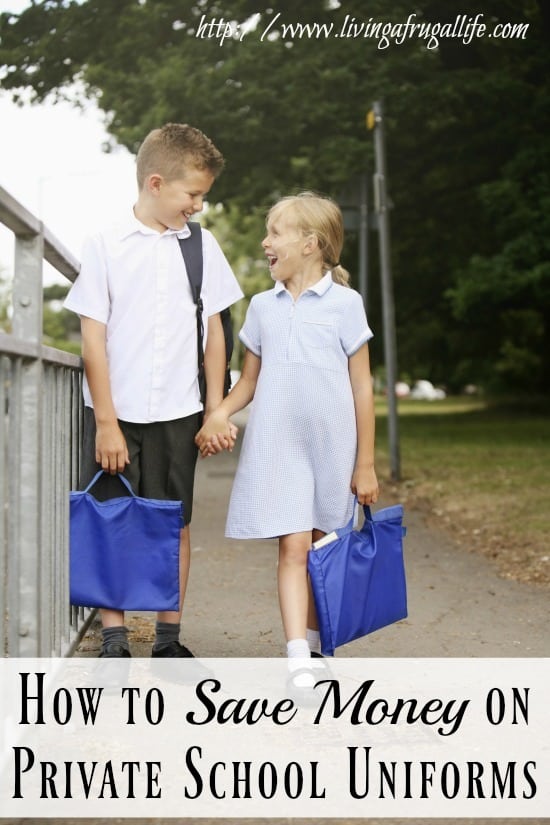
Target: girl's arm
{"type": "Point", "coordinates": [363, 483]}
{"type": "Point", "coordinates": [242, 394]}
{"type": "Point", "coordinates": [111, 449]}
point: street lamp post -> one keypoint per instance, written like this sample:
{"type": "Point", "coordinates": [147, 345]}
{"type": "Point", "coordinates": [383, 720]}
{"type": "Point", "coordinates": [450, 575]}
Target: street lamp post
{"type": "Point", "coordinates": [375, 122]}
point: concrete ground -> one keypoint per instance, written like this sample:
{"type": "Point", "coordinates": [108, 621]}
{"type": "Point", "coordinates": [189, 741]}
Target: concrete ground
{"type": "Point", "coordinates": [458, 607]}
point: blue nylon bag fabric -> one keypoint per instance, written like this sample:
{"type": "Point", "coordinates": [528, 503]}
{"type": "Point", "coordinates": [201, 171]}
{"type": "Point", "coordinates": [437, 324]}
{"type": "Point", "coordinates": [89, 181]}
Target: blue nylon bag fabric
{"type": "Point", "coordinates": [358, 578]}
{"type": "Point", "coordinates": [124, 552]}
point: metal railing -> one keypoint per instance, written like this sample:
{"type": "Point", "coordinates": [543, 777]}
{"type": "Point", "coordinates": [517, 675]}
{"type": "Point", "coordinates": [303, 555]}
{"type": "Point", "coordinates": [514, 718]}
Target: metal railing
{"type": "Point", "coordinates": [41, 401]}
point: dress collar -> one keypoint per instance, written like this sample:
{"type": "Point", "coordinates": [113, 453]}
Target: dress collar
{"type": "Point", "coordinates": [319, 288]}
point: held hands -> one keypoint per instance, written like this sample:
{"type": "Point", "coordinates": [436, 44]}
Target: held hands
{"type": "Point", "coordinates": [365, 485]}
{"type": "Point", "coordinates": [217, 433]}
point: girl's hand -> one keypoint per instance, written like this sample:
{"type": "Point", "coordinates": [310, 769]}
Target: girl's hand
{"type": "Point", "coordinates": [365, 485]}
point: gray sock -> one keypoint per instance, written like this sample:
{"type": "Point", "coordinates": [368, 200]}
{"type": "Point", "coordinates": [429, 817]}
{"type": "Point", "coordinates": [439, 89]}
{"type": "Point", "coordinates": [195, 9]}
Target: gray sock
{"type": "Point", "coordinates": [118, 635]}
{"type": "Point", "coordinates": [166, 632]}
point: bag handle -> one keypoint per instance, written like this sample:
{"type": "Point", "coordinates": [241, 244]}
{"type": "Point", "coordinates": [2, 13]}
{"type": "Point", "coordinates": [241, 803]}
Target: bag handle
{"type": "Point", "coordinates": [369, 520]}
{"type": "Point", "coordinates": [121, 477]}
{"type": "Point", "coordinates": [343, 531]}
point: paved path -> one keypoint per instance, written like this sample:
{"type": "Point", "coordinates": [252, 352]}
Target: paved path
{"type": "Point", "coordinates": [458, 606]}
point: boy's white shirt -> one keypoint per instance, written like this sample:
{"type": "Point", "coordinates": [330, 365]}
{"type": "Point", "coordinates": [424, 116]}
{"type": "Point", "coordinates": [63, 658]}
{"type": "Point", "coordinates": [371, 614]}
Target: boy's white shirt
{"type": "Point", "coordinates": [133, 280]}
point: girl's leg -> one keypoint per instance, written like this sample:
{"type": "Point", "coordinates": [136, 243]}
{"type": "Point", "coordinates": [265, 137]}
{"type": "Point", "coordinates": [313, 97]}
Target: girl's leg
{"type": "Point", "coordinates": [292, 581]}
{"type": "Point", "coordinates": [295, 596]}
{"type": "Point", "coordinates": [297, 610]}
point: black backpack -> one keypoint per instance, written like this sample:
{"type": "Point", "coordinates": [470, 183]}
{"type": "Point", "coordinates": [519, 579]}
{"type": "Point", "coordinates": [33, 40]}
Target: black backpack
{"type": "Point", "coordinates": [191, 249]}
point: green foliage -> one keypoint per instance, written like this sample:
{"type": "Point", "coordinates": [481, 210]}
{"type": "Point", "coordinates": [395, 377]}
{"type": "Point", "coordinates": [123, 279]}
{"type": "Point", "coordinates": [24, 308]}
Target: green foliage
{"type": "Point", "coordinates": [61, 328]}
{"type": "Point", "coordinates": [466, 129]}
{"type": "Point", "coordinates": [239, 232]}
{"type": "Point", "coordinates": [55, 292]}
{"type": "Point", "coordinates": [513, 283]}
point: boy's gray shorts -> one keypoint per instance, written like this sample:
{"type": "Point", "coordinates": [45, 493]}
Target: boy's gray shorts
{"type": "Point", "coordinates": [163, 455]}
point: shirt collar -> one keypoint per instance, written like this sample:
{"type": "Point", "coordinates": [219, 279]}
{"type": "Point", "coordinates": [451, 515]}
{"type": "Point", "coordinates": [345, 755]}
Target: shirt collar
{"type": "Point", "coordinates": [318, 288]}
{"type": "Point", "coordinates": [130, 225]}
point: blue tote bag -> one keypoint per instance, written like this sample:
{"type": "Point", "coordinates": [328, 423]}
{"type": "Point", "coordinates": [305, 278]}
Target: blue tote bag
{"type": "Point", "coordinates": [124, 552]}
{"type": "Point", "coordinates": [358, 578]}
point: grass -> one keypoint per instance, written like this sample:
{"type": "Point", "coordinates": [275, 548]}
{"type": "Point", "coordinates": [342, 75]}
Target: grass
{"type": "Point", "coordinates": [481, 469]}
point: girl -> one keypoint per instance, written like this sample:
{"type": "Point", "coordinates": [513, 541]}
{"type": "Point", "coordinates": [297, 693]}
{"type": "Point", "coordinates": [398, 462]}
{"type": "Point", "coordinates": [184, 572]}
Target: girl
{"type": "Point", "coordinates": [309, 443]}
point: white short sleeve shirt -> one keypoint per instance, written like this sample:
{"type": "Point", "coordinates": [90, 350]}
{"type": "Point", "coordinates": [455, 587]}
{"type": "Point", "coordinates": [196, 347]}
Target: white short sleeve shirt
{"type": "Point", "coordinates": [133, 280]}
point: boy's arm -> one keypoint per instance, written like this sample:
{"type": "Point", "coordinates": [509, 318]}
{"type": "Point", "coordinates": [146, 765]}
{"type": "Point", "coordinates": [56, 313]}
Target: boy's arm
{"type": "Point", "coordinates": [364, 483]}
{"type": "Point", "coordinates": [215, 362]}
{"type": "Point", "coordinates": [111, 449]}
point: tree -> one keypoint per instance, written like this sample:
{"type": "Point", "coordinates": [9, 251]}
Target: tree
{"type": "Point", "coordinates": [465, 130]}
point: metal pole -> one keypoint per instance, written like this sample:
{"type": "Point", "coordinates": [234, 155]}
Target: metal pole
{"type": "Point", "coordinates": [363, 239]}
{"type": "Point", "coordinates": [388, 310]}
{"type": "Point", "coordinates": [27, 325]}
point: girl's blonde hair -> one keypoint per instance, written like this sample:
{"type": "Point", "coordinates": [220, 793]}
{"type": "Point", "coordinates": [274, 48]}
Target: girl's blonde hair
{"type": "Point", "coordinates": [320, 216]}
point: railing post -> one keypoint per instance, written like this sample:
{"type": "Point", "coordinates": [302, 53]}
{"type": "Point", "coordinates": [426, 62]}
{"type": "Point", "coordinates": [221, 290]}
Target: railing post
{"type": "Point", "coordinates": [27, 324]}
{"type": "Point", "coordinates": [41, 401]}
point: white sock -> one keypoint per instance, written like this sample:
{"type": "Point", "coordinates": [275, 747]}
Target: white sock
{"type": "Point", "coordinates": [297, 649]}
{"type": "Point", "coordinates": [313, 638]}
{"type": "Point", "coordinates": [298, 657]}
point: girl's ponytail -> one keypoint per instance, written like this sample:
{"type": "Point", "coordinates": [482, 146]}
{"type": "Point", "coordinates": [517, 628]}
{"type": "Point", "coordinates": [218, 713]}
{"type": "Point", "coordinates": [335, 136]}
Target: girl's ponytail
{"type": "Point", "coordinates": [340, 275]}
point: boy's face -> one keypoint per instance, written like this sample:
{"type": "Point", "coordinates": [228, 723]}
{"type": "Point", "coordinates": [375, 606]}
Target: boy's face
{"type": "Point", "coordinates": [174, 202]}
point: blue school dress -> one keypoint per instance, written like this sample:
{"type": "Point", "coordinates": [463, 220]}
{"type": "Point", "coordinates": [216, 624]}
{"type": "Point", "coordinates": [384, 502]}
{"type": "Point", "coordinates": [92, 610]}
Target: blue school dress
{"type": "Point", "coordinates": [299, 447]}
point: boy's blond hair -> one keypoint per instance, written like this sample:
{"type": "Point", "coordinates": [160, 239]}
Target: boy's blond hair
{"type": "Point", "coordinates": [320, 216]}
{"type": "Point", "coordinates": [173, 149]}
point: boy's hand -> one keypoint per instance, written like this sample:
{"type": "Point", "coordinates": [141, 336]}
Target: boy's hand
{"type": "Point", "coordinates": [364, 485]}
{"type": "Point", "coordinates": [110, 448]}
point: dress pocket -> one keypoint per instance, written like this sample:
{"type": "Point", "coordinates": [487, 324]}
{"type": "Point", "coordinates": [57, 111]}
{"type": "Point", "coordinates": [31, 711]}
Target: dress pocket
{"type": "Point", "coordinates": [316, 334]}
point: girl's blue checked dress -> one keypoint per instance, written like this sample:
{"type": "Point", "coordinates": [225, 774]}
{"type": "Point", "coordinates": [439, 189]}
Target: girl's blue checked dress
{"type": "Point", "coordinates": [299, 447]}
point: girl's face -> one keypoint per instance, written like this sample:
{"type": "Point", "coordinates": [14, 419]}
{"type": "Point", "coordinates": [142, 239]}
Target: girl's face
{"type": "Point", "coordinates": [283, 246]}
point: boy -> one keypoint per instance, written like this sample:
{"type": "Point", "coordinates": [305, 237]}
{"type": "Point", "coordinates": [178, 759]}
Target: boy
{"type": "Point", "coordinates": [139, 346]}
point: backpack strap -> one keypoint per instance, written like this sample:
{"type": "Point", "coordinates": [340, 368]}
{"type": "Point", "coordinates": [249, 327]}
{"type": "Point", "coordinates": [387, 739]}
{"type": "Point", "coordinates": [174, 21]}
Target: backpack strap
{"type": "Point", "coordinates": [191, 249]}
